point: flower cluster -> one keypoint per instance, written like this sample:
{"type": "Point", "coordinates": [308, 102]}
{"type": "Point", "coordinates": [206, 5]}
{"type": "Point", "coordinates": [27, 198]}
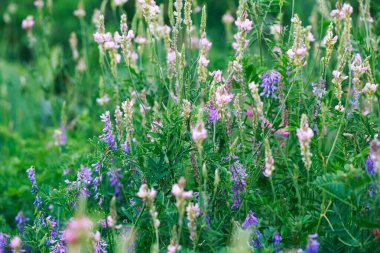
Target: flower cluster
{"type": "Point", "coordinates": [269, 79]}
{"type": "Point", "coordinates": [193, 212]}
{"type": "Point", "coordinates": [304, 135]}
{"type": "Point", "coordinates": [108, 135]}
{"type": "Point", "coordinates": [238, 178]}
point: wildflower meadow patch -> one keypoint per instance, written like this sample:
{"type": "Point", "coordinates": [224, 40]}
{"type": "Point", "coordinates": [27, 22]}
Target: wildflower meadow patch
{"type": "Point", "coordinates": [189, 126]}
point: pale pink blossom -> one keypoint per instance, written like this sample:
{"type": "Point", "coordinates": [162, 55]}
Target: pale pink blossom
{"type": "Point", "coordinates": [244, 24]}
{"type": "Point", "coordinates": [28, 23]}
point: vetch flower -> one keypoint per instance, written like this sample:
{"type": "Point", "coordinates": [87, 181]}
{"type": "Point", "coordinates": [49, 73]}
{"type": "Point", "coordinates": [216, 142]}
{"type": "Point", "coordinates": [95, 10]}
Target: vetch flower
{"type": "Point", "coordinates": [250, 220]}
{"type": "Point", "coordinates": [238, 178]}
{"type": "Point", "coordinates": [313, 244]}
{"type": "Point", "coordinates": [108, 135]}
{"type": "Point", "coordinates": [269, 81]}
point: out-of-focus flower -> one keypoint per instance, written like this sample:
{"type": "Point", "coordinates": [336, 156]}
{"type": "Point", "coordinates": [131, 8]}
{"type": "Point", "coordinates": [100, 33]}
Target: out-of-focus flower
{"type": "Point", "coordinates": [27, 23]}
{"type": "Point", "coordinates": [119, 2]}
{"type": "Point", "coordinates": [15, 244]}
{"type": "Point", "coordinates": [313, 244]}
{"type": "Point", "coordinates": [21, 220]}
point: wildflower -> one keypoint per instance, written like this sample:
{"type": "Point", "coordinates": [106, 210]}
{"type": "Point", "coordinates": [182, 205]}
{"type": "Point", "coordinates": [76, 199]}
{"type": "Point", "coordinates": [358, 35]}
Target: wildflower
{"type": "Point", "coordinates": [28, 23]}
{"type": "Point", "coordinates": [250, 220]}
{"type": "Point", "coordinates": [186, 108]}
{"type": "Point", "coordinates": [217, 74]}
{"type": "Point", "coordinates": [228, 18]}
{"type": "Point", "coordinates": [256, 240]}
{"type": "Point", "coordinates": [115, 177]}
{"type": "Point", "coordinates": [304, 135]}
{"type": "Point", "coordinates": [369, 165]}
{"type": "Point", "coordinates": [269, 161]}
{"type": "Point", "coordinates": [339, 107]}
{"type": "Point", "coordinates": [193, 212]}
{"type": "Point", "coordinates": [238, 178]}
{"type": "Point", "coordinates": [127, 107]}
{"type": "Point", "coordinates": [213, 114]}
{"type": "Point", "coordinates": [21, 220]}
{"type": "Point", "coordinates": [150, 12]}
{"type": "Point", "coordinates": [108, 135]}
{"type": "Point", "coordinates": [313, 244]}
{"type": "Point", "coordinates": [100, 246]}
{"type": "Point", "coordinates": [338, 78]}
{"type": "Point", "coordinates": [255, 94]}
{"type": "Point", "coordinates": [39, 3]}
{"type": "Point", "coordinates": [15, 244]}
{"type": "Point", "coordinates": [276, 241]}
{"type": "Point", "coordinates": [244, 24]}
{"type": "Point", "coordinates": [188, 21]}
{"type": "Point", "coordinates": [3, 241]}
{"type": "Point", "coordinates": [222, 97]}
{"type": "Point", "coordinates": [32, 178]}
{"type": "Point", "coordinates": [119, 2]}
{"type": "Point", "coordinates": [375, 153]}
{"type": "Point", "coordinates": [269, 80]}
{"type": "Point", "coordinates": [148, 195]}
{"type": "Point", "coordinates": [78, 230]}
{"type": "Point", "coordinates": [199, 132]}
{"type": "Point", "coordinates": [370, 89]}
{"type": "Point", "coordinates": [329, 41]}
{"type": "Point", "coordinates": [298, 52]}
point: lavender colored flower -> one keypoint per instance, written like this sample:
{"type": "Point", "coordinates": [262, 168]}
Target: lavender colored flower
{"type": "Point", "coordinates": [108, 135]}
{"type": "Point", "coordinates": [369, 165]}
{"type": "Point", "coordinates": [256, 240]}
{"type": "Point", "coordinates": [313, 244]}
{"type": "Point", "coordinates": [276, 241]}
{"type": "Point", "coordinates": [85, 175]}
{"type": "Point", "coordinates": [115, 180]}
{"type": "Point", "coordinates": [21, 220]}
{"type": "Point", "coordinates": [100, 247]}
{"type": "Point", "coordinates": [238, 177]}
{"type": "Point", "coordinates": [250, 220]}
{"type": "Point", "coordinates": [125, 146]}
{"type": "Point", "coordinates": [32, 178]}
{"type": "Point", "coordinates": [319, 89]}
{"type": "Point", "coordinates": [269, 79]}
{"type": "Point", "coordinates": [213, 114]}
{"type": "Point", "coordinates": [97, 166]}
{"type": "Point", "coordinates": [37, 201]}
{"type": "Point", "coordinates": [3, 242]}
{"type": "Point", "coordinates": [355, 97]}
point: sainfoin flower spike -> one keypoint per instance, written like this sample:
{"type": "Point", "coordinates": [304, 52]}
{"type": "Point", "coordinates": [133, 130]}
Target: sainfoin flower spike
{"type": "Point", "coordinates": [304, 134]}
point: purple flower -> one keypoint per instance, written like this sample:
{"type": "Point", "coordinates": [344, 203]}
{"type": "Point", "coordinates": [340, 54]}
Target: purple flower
{"type": "Point", "coordinates": [276, 241]}
{"type": "Point", "coordinates": [115, 180]}
{"type": "Point", "coordinates": [21, 220]}
{"type": "Point", "coordinates": [100, 247]}
{"type": "Point", "coordinates": [32, 178]}
{"type": "Point", "coordinates": [370, 167]}
{"type": "Point", "coordinates": [3, 242]}
{"type": "Point", "coordinates": [319, 88]}
{"type": "Point", "coordinates": [238, 177]}
{"type": "Point", "coordinates": [256, 240]}
{"type": "Point", "coordinates": [213, 114]}
{"type": "Point", "coordinates": [37, 201]}
{"type": "Point", "coordinates": [313, 244]}
{"type": "Point", "coordinates": [124, 146]}
{"type": "Point", "coordinates": [85, 175]}
{"type": "Point", "coordinates": [250, 220]}
{"type": "Point", "coordinates": [269, 80]}
{"type": "Point", "coordinates": [108, 135]}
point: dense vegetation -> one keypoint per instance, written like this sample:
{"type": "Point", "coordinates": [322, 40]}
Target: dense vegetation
{"type": "Point", "coordinates": [189, 126]}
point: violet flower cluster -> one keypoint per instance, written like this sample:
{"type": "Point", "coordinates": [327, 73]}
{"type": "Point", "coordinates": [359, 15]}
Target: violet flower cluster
{"type": "Point", "coordinates": [269, 81]}
{"type": "Point", "coordinates": [238, 177]}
